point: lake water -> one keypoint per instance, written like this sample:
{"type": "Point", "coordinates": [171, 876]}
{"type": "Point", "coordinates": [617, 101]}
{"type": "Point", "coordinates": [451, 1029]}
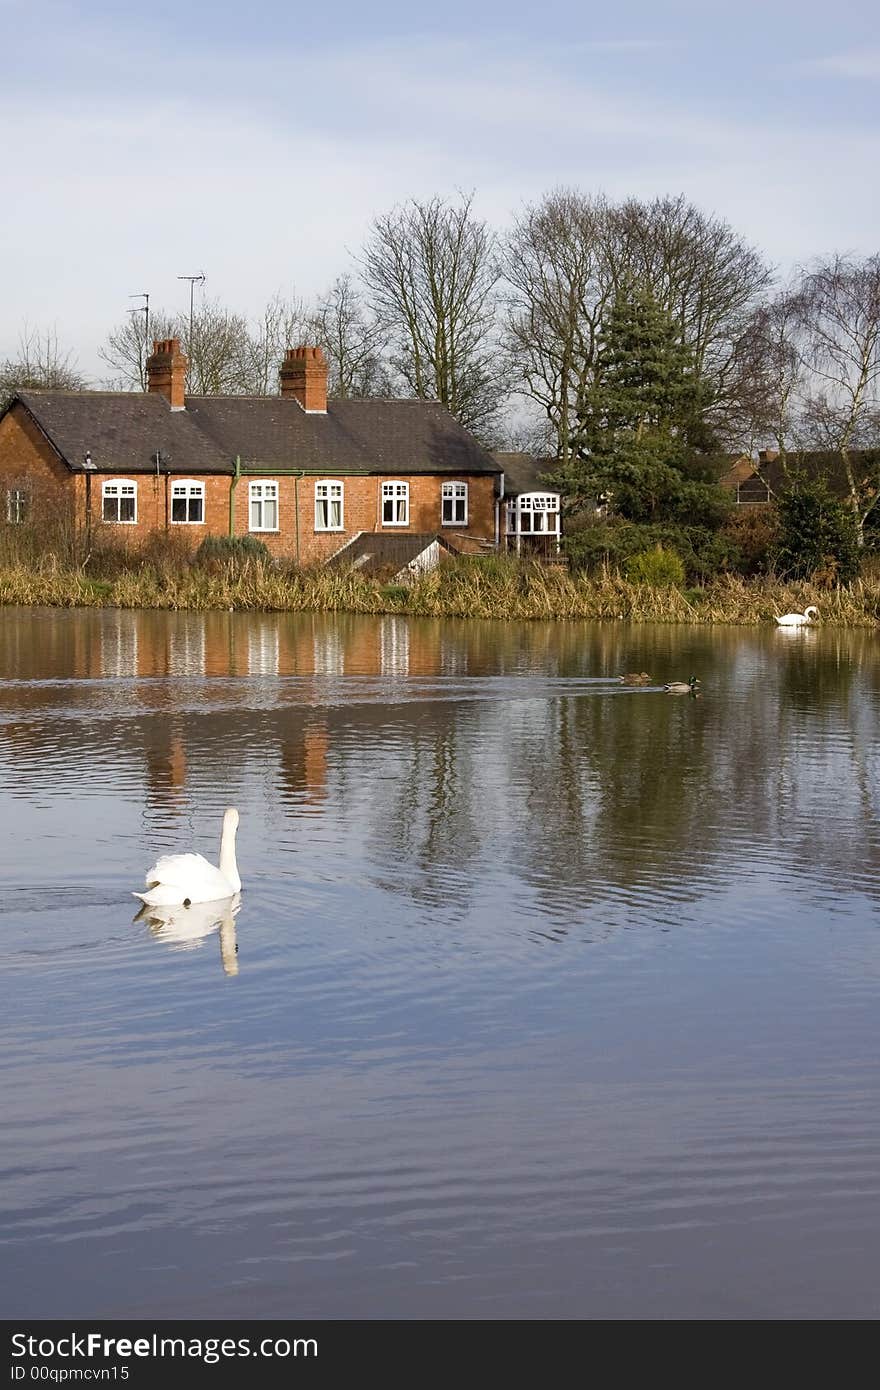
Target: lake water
{"type": "Point", "coordinates": [546, 997]}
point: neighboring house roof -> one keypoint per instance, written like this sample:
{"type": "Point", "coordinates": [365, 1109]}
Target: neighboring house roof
{"type": "Point", "coordinates": [525, 473]}
{"type": "Point", "coordinates": [739, 471]}
{"type": "Point", "coordinates": [124, 430]}
{"type": "Point", "coordinates": [814, 463]}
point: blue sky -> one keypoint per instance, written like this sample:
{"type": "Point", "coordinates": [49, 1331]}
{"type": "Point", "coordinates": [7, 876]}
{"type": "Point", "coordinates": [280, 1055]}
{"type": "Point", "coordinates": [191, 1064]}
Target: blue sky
{"type": "Point", "coordinates": [255, 142]}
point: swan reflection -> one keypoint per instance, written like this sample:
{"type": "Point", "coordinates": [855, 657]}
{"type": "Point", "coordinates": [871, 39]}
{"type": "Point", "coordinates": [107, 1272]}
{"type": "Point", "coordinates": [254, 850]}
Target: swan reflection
{"type": "Point", "coordinates": [805, 632]}
{"type": "Point", "coordinates": [185, 928]}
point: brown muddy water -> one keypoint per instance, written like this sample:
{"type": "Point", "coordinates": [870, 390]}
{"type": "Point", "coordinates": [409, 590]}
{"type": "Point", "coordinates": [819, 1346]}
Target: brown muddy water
{"type": "Point", "coordinates": [546, 997]}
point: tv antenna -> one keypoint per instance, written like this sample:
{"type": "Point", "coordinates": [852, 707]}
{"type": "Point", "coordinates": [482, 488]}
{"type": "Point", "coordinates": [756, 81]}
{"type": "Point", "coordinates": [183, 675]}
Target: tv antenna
{"type": "Point", "coordinates": [193, 281]}
{"type": "Point", "coordinates": [145, 310]}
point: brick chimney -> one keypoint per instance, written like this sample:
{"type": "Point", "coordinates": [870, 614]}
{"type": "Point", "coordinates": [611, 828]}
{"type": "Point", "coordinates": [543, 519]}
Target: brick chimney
{"type": "Point", "coordinates": [304, 378]}
{"type": "Point", "coordinates": [166, 371]}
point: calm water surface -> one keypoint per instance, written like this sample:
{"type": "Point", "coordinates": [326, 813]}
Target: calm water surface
{"type": "Point", "coordinates": [546, 998]}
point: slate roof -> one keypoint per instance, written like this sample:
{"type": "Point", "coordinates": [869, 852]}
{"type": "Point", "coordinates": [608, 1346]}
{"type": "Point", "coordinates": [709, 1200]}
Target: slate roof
{"type": "Point", "coordinates": [124, 430]}
{"type": "Point", "coordinates": [524, 473]}
{"type": "Point", "coordinates": [373, 552]}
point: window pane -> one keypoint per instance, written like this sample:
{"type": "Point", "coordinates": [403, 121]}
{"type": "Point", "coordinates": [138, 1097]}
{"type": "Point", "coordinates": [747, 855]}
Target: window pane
{"type": "Point", "coordinates": [178, 509]}
{"type": "Point", "coordinates": [336, 512]}
{"type": "Point", "coordinates": [271, 515]}
{"type": "Point", "coordinates": [17, 504]}
{"type": "Point", "coordinates": [388, 509]}
{"type": "Point", "coordinates": [321, 514]}
{"type": "Point", "coordinates": [126, 509]}
{"type": "Point", "coordinates": [195, 509]}
{"type": "Point", "coordinates": [255, 514]}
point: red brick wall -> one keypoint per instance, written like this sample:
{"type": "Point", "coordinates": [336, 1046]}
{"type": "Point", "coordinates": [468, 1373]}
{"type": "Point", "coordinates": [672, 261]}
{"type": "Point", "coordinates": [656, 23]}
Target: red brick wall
{"type": "Point", "coordinates": [28, 460]}
{"type": "Point", "coordinates": [362, 510]}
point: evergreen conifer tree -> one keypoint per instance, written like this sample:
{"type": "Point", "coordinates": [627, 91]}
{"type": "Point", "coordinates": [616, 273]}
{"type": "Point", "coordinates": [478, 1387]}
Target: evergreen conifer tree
{"type": "Point", "coordinates": [640, 423]}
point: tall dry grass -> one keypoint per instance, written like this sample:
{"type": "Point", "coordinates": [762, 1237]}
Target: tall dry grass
{"type": "Point", "coordinates": [491, 587]}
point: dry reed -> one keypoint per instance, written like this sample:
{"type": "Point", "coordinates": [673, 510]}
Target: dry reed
{"type": "Point", "coordinates": [494, 588]}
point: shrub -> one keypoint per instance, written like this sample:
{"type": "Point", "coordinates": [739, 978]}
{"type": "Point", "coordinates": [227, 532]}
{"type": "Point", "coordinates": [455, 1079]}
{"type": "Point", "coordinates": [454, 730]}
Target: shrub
{"type": "Point", "coordinates": [660, 568]}
{"type": "Point", "coordinates": [703, 553]}
{"type": "Point", "coordinates": [752, 533]}
{"type": "Point", "coordinates": [817, 535]}
{"type": "Point", "coordinates": [233, 552]}
{"type": "Point", "coordinates": [167, 552]}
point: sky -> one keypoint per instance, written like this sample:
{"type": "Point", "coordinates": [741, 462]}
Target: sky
{"type": "Point", "coordinates": [256, 142]}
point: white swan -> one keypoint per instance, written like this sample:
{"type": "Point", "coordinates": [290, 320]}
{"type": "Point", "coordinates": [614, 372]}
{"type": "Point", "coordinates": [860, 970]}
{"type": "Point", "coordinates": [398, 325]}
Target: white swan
{"type": "Point", "coordinates": [798, 619]}
{"type": "Point", "coordinates": [189, 878]}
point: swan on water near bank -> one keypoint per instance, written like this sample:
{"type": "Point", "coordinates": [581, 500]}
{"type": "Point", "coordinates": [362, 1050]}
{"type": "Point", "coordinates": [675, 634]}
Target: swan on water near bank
{"type": "Point", "coordinates": [189, 878]}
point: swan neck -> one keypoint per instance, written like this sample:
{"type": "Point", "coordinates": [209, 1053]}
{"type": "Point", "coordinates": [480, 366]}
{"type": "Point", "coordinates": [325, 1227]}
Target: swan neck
{"type": "Point", "coordinates": [228, 865]}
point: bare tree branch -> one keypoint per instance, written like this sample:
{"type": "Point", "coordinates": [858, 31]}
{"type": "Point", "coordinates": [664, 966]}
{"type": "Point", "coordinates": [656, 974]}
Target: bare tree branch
{"type": "Point", "coordinates": [431, 271]}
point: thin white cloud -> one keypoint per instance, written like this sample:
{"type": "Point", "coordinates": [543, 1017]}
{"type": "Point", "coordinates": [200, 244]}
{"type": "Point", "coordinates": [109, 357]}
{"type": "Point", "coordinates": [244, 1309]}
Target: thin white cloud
{"type": "Point", "coordinates": [854, 65]}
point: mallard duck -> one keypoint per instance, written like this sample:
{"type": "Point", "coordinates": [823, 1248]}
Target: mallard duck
{"type": "Point", "coordinates": [635, 678]}
{"type": "Point", "coordinates": [798, 619]}
{"type": "Point", "coordinates": [682, 687]}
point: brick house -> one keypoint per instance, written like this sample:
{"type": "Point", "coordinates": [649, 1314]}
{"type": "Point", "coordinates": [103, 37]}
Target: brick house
{"type": "Point", "coordinates": [756, 482]}
{"type": "Point", "coordinates": [301, 473]}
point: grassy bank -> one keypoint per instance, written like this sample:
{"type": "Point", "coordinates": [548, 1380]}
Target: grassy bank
{"type": "Point", "coordinates": [492, 588]}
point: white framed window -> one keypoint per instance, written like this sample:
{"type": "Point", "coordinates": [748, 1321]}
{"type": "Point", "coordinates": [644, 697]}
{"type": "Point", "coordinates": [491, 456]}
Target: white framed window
{"type": "Point", "coordinates": [395, 504]}
{"type": "Point", "coordinates": [263, 506]}
{"type": "Point", "coordinates": [187, 502]}
{"type": "Point", "coordinates": [119, 502]}
{"type": "Point", "coordinates": [539, 511]}
{"type": "Point", "coordinates": [18, 505]}
{"type": "Point", "coordinates": [454, 504]}
{"type": "Point", "coordinates": [328, 506]}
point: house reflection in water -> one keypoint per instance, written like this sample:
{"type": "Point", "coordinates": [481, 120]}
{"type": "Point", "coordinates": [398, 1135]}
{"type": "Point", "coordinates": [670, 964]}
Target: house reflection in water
{"type": "Point", "coordinates": [119, 645]}
{"type": "Point", "coordinates": [304, 764]}
{"type": "Point", "coordinates": [165, 765]}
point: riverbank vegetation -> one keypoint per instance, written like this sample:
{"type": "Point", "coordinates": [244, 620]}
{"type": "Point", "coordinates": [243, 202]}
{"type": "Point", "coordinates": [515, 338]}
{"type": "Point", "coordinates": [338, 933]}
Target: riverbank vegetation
{"type": "Point", "coordinates": [473, 587]}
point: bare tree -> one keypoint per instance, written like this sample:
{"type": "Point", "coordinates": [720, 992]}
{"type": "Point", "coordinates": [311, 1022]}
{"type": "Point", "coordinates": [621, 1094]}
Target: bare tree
{"type": "Point", "coordinates": [41, 364]}
{"type": "Point", "coordinates": [698, 268]}
{"type": "Point", "coordinates": [432, 272]}
{"type": "Point", "coordinates": [840, 323]}
{"type": "Point", "coordinates": [569, 256]}
{"type": "Point", "coordinates": [283, 323]}
{"type": "Point", "coordinates": [226, 356]}
{"type": "Point", "coordinates": [126, 352]}
{"type": "Point", "coordinates": [353, 341]}
{"type": "Point", "coordinates": [218, 351]}
{"type": "Point", "coordinates": [556, 267]}
{"type": "Point", "coordinates": [768, 377]}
